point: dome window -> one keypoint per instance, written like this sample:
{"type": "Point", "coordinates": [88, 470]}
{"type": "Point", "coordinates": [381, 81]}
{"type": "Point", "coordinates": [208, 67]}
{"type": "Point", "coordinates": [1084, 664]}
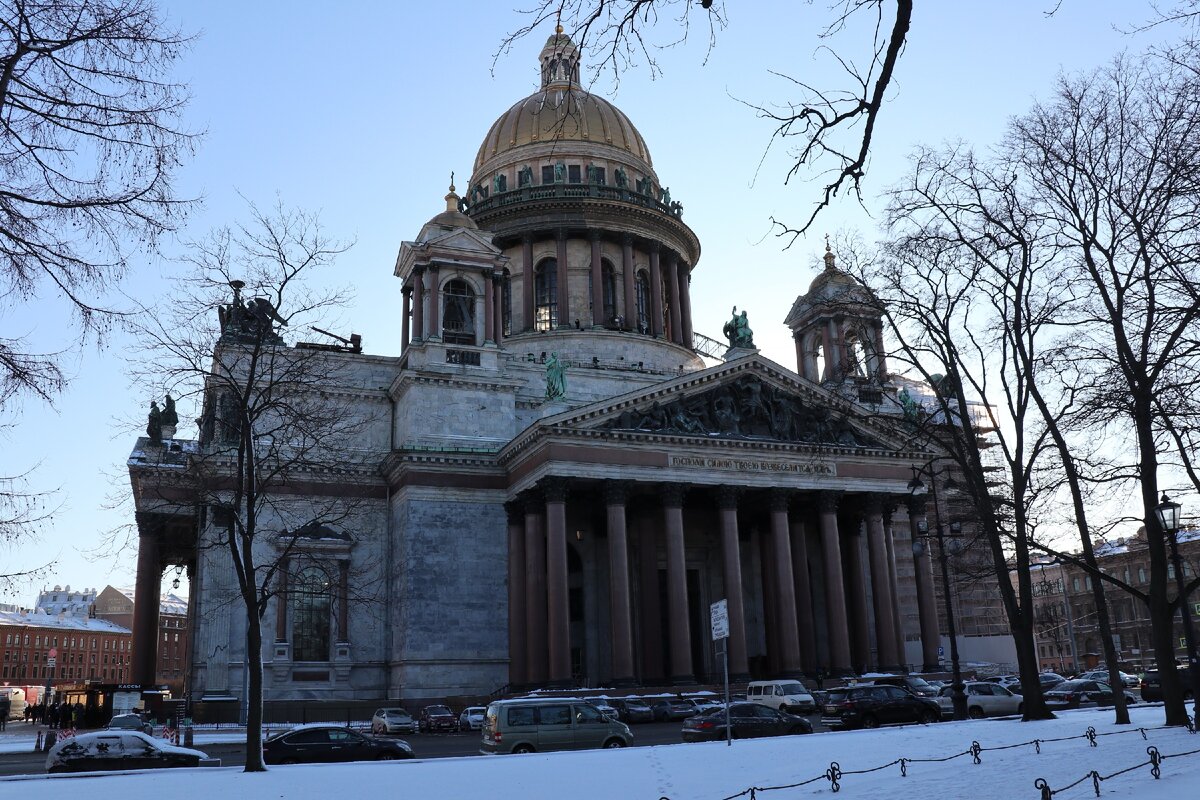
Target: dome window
{"type": "Point", "coordinates": [574, 174]}
{"type": "Point", "coordinates": [458, 318]}
{"type": "Point", "coordinates": [545, 288]}
{"type": "Point", "coordinates": [641, 289]}
{"type": "Point", "coordinates": [608, 285]}
{"type": "Point", "coordinates": [506, 302]}
{"type": "Point", "coordinates": [547, 174]}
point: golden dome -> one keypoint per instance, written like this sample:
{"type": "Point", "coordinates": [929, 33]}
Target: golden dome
{"type": "Point", "coordinates": [562, 114]}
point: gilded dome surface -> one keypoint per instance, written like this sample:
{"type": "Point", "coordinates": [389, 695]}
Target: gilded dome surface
{"type": "Point", "coordinates": [562, 113]}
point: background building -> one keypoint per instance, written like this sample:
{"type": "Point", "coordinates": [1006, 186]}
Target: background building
{"type": "Point", "coordinates": [62, 600]}
{"type": "Point", "coordinates": [87, 649]}
{"type": "Point", "coordinates": [116, 606]}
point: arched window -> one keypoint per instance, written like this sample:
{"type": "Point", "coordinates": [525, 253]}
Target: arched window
{"type": "Point", "coordinates": [608, 286]}
{"type": "Point", "coordinates": [641, 289]}
{"type": "Point", "coordinates": [856, 354]}
{"type": "Point", "coordinates": [458, 315]}
{"type": "Point", "coordinates": [545, 291]}
{"type": "Point", "coordinates": [310, 599]}
{"type": "Point", "coordinates": [506, 303]}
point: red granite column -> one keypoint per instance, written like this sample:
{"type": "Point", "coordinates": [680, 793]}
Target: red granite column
{"type": "Point", "coordinates": [673, 289]}
{"type": "Point", "coordinates": [489, 309]}
{"type": "Point", "coordinates": [805, 622]}
{"type": "Point", "coordinates": [800, 370]}
{"type": "Point", "coordinates": [598, 320]}
{"type": "Point", "coordinates": [656, 306]}
{"type": "Point", "coordinates": [880, 355]}
{"type": "Point", "coordinates": [147, 594]}
{"type": "Point", "coordinates": [616, 494]}
{"type": "Point", "coordinates": [731, 560]}
{"type": "Point", "coordinates": [649, 608]}
{"type": "Point", "coordinates": [629, 313]}
{"type": "Point", "coordinates": [785, 589]}
{"type": "Point", "coordinates": [407, 292]}
{"type": "Point", "coordinates": [535, 592]}
{"type": "Point", "coordinates": [894, 583]}
{"type": "Point", "coordinates": [558, 618]}
{"type": "Point", "coordinates": [835, 595]}
{"type": "Point", "coordinates": [685, 299]}
{"type": "Point", "coordinates": [926, 601]}
{"type": "Point", "coordinates": [281, 599]}
{"type": "Point", "coordinates": [856, 600]}
{"type": "Point", "coordinates": [761, 541]}
{"type": "Point", "coordinates": [881, 588]}
{"type": "Point", "coordinates": [527, 295]}
{"type": "Point", "coordinates": [343, 601]}
{"type": "Point", "coordinates": [517, 646]}
{"type": "Point", "coordinates": [564, 296]}
{"type": "Point", "coordinates": [498, 308]}
{"type": "Point", "coordinates": [435, 303]}
{"type": "Point", "coordinates": [677, 600]}
{"type": "Point", "coordinates": [418, 278]}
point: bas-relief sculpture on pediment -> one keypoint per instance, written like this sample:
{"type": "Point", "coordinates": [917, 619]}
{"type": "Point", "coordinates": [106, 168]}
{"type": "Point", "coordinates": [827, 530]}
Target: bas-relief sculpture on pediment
{"type": "Point", "coordinates": [744, 408]}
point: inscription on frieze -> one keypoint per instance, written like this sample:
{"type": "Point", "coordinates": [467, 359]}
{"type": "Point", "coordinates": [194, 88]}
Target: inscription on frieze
{"type": "Point", "coordinates": [754, 465]}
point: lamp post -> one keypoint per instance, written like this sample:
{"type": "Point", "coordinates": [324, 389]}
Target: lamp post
{"type": "Point", "coordinates": [947, 545]}
{"type": "Point", "coordinates": [1167, 512]}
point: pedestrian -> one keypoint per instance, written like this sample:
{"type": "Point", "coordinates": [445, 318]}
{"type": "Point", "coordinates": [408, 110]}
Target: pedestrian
{"type": "Point", "coordinates": [5, 707]}
{"type": "Point", "coordinates": [820, 680]}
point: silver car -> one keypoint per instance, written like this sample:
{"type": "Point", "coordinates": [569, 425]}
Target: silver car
{"type": "Point", "coordinates": [984, 699]}
{"type": "Point", "coordinates": [471, 718]}
{"type": "Point", "coordinates": [393, 720]}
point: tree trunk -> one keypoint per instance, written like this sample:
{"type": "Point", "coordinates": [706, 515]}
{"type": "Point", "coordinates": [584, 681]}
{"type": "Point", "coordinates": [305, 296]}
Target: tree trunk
{"type": "Point", "coordinates": [254, 702]}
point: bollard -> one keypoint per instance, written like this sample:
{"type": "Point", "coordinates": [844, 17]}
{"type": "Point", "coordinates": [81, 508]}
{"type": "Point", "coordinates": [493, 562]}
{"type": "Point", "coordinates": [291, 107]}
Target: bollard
{"type": "Point", "coordinates": [187, 736]}
{"type": "Point", "coordinates": [37, 748]}
{"type": "Point", "coordinates": [51, 738]}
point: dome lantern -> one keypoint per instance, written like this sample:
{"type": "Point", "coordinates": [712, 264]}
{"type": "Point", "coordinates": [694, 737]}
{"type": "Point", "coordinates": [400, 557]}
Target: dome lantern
{"type": "Point", "coordinates": [560, 61]}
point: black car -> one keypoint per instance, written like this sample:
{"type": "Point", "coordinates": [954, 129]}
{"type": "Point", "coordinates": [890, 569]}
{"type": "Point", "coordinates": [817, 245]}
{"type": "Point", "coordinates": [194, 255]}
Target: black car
{"type": "Point", "coordinates": [746, 720]}
{"type": "Point", "coordinates": [317, 744]}
{"type": "Point", "coordinates": [1077, 693]}
{"type": "Point", "coordinates": [1050, 679]}
{"type": "Point", "coordinates": [672, 709]}
{"type": "Point", "coordinates": [437, 718]}
{"type": "Point", "coordinates": [1151, 685]}
{"type": "Point", "coordinates": [872, 706]}
{"type": "Point", "coordinates": [632, 709]}
{"type": "Point", "coordinates": [119, 749]}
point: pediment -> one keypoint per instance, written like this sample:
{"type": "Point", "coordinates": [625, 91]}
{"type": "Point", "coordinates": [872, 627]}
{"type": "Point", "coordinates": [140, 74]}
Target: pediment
{"type": "Point", "coordinates": [748, 399]}
{"type": "Point", "coordinates": [463, 239]}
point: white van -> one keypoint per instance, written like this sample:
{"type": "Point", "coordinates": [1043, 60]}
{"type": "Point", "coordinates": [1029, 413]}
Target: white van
{"type": "Point", "coordinates": [785, 695]}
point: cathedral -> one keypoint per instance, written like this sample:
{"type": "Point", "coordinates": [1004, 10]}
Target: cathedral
{"type": "Point", "coordinates": [561, 475]}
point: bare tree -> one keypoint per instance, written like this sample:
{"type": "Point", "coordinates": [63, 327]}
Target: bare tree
{"type": "Point", "coordinates": [833, 128]}
{"type": "Point", "coordinates": [275, 423]}
{"type": "Point", "coordinates": [90, 138]}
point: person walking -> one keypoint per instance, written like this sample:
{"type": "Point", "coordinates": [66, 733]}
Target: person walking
{"type": "Point", "coordinates": [5, 707]}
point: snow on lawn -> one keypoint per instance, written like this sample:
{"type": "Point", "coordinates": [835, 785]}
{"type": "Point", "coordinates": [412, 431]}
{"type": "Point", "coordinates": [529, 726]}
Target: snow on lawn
{"type": "Point", "coordinates": [712, 771]}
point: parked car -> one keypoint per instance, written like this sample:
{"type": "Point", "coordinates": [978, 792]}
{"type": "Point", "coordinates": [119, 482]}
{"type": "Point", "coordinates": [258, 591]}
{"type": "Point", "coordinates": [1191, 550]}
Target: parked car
{"type": "Point", "coordinates": [746, 720]}
{"type": "Point", "coordinates": [632, 709]}
{"type": "Point", "coordinates": [471, 718]}
{"type": "Point", "coordinates": [1010, 682]}
{"type": "Point", "coordinates": [318, 744]}
{"type": "Point", "coordinates": [788, 696]}
{"type": "Point", "coordinates": [918, 686]}
{"type": "Point", "coordinates": [1151, 685]}
{"type": "Point", "coordinates": [130, 722]}
{"type": "Point", "coordinates": [605, 708]}
{"type": "Point", "coordinates": [705, 704]}
{"type": "Point", "coordinates": [120, 749]}
{"type": "Point", "coordinates": [437, 718]}
{"type": "Point", "coordinates": [1078, 692]}
{"type": "Point", "coordinates": [1050, 679]}
{"type": "Point", "coordinates": [672, 709]}
{"type": "Point", "coordinates": [983, 700]}
{"type": "Point", "coordinates": [1101, 675]}
{"type": "Point", "coordinates": [528, 726]}
{"type": "Point", "coordinates": [393, 720]}
{"type": "Point", "coordinates": [872, 706]}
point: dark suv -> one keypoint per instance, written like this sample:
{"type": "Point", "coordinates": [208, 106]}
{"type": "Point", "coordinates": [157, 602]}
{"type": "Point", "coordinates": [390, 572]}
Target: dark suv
{"type": "Point", "coordinates": [437, 718]}
{"type": "Point", "coordinates": [918, 686]}
{"type": "Point", "coordinates": [1151, 685]}
{"type": "Point", "coordinates": [872, 706]}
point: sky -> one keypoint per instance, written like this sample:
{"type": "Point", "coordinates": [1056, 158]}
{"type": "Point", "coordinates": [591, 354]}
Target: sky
{"type": "Point", "coordinates": [360, 111]}
{"type": "Point", "coordinates": [712, 770]}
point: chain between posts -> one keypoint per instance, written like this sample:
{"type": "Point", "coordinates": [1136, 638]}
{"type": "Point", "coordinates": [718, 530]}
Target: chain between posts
{"type": "Point", "coordinates": [1154, 762]}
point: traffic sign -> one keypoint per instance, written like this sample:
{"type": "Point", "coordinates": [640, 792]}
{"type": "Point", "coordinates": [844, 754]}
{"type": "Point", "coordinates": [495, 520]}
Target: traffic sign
{"type": "Point", "coordinates": [51, 661]}
{"type": "Point", "coordinates": [53, 653]}
{"type": "Point", "coordinates": [941, 652]}
{"type": "Point", "coordinates": [720, 620]}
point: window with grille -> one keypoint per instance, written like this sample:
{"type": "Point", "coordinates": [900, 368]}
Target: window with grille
{"type": "Point", "coordinates": [311, 601]}
{"type": "Point", "coordinates": [458, 315]}
{"type": "Point", "coordinates": [545, 287]}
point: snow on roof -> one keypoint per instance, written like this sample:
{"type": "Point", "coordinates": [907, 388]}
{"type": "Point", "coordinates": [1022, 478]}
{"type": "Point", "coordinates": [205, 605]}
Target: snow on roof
{"type": "Point", "coordinates": [167, 604]}
{"type": "Point", "coordinates": [35, 619]}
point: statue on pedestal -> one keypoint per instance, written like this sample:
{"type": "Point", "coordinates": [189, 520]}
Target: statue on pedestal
{"type": "Point", "coordinates": [738, 332]}
{"type": "Point", "coordinates": [154, 424]}
{"type": "Point", "coordinates": [556, 378]}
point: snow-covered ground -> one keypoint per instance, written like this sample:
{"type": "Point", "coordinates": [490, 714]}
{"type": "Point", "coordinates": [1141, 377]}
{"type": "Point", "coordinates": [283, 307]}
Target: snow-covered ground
{"type": "Point", "coordinates": [712, 771]}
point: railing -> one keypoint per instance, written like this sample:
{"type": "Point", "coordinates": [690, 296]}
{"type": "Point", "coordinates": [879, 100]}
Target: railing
{"type": "Point", "coordinates": [468, 357]}
{"type": "Point", "coordinates": [597, 191]}
{"type": "Point", "coordinates": [707, 346]}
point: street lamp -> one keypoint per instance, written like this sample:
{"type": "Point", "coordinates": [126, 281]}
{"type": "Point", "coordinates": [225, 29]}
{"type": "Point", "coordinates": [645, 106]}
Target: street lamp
{"type": "Point", "coordinates": [1167, 512]}
{"type": "Point", "coordinates": [947, 545]}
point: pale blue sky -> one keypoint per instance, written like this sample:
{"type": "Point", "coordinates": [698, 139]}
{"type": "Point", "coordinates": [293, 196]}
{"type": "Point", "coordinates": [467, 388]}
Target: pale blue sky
{"type": "Point", "coordinates": [360, 110]}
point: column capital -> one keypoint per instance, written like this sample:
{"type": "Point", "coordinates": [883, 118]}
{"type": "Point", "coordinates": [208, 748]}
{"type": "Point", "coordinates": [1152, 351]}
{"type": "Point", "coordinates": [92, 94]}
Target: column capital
{"type": "Point", "coordinates": [616, 493]}
{"type": "Point", "coordinates": [532, 502]}
{"type": "Point", "coordinates": [561, 234]}
{"type": "Point", "coordinates": [627, 239]}
{"type": "Point", "coordinates": [916, 506]}
{"type": "Point", "coordinates": [595, 235]}
{"type": "Point", "coordinates": [655, 247]}
{"type": "Point", "coordinates": [526, 238]}
{"type": "Point", "coordinates": [872, 503]}
{"type": "Point", "coordinates": [727, 497]}
{"type": "Point", "coordinates": [779, 499]}
{"type": "Point", "coordinates": [672, 494]}
{"type": "Point", "coordinates": [554, 489]}
{"type": "Point", "coordinates": [406, 290]}
{"type": "Point", "coordinates": [828, 501]}
{"type": "Point", "coordinates": [514, 510]}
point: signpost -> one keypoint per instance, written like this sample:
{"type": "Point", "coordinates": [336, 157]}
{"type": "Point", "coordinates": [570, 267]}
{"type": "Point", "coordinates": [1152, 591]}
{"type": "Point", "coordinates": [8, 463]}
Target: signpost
{"type": "Point", "coordinates": [720, 635]}
{"type": "Point", "coordinates": [51, 662]}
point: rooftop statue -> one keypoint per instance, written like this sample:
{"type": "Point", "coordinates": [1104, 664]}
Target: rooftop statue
{"type": "Point", "coordinates": [169, 417]}
{"type": "Point", "coordinates": [556, 378]}
{"type": "Point", "coordinates": [154, 424]}
{"type": "Point", "coordinates": [738, 332]}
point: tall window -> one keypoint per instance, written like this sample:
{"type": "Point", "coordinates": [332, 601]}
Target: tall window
{"type": "Point", "coordinates": [545, 290]}
{"type": "Point", "coordinates": [506, 303]}
{"type": "Point", "coordinates": [641, 290]}
{"type": "Point", "coordinates": [608, 287]}
{"type": "Point", "coordinates": [309, 596]}
{"type": "Point", "coordinates": [458, 316]}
